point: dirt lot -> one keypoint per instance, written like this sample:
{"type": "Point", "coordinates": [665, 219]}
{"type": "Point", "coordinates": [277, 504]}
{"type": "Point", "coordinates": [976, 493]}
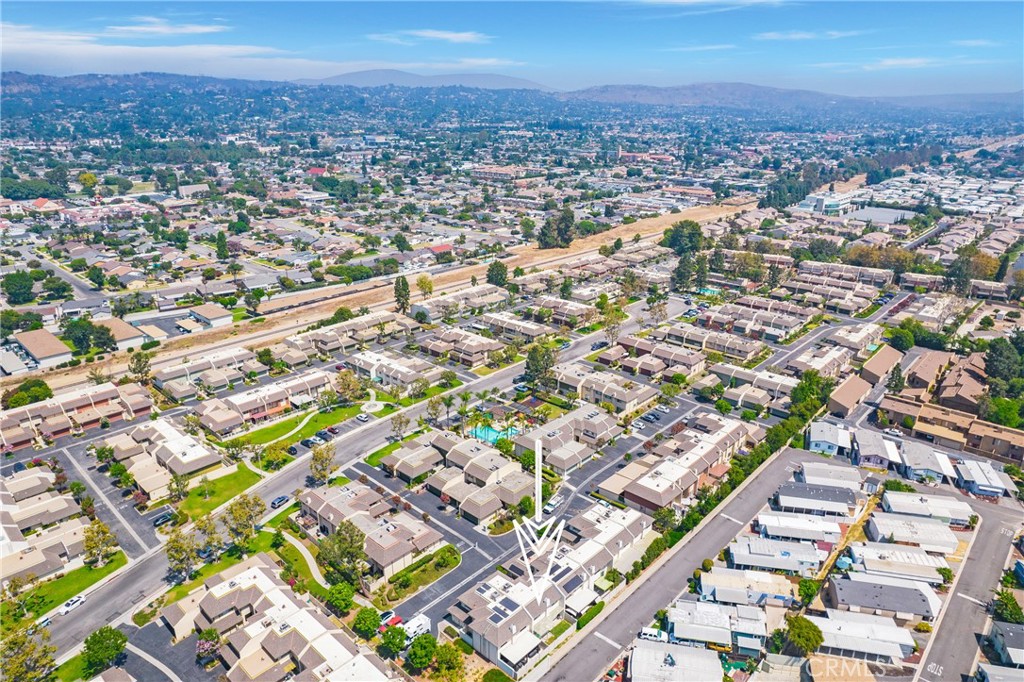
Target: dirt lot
{"type": "Point", "coordinates": [276, 327]}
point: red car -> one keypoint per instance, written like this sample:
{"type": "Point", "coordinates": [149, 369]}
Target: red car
{"type": "Point", "coordinates": [394, 620]}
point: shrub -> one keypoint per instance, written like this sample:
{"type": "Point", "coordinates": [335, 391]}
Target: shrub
{"type": "Point", "coordinates": [923, 627]}
{"type": "Point", "coordinates": [589, 615]}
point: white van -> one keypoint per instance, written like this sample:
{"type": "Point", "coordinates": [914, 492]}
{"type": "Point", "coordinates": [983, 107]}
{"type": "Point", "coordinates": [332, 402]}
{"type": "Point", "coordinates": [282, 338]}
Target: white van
{"type": "Point", "coordinates": [653, 635]}
{"type": "Point", "coordinates": [418, 625]}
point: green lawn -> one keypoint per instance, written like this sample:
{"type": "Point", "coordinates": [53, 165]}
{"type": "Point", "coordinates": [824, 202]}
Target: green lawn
{"type": "Point", "coordinates": [72, 670]}
{"type": "Point", "coordinates": [51, 594]}
{"type": "Point", "coordinates": [282, 515]}
{"type": "Point", "coordinates": [867, 312]}
{"type": "Point", "coordinates": [239, 314]}
{"type": "Point", "coordinates": [294, 558]}
{"type": "Point", "coordinates": [340, 481]}
{"type": "Point", "coordinates": [320, 420]}
{"type": "Point", "coordinates": [227, 560]}
{"type": "Point", "coordinates": [430, 393]}
{"type": "Point", "coordinates": [374, 458]}
{"type": "Point", "coordinates": [421, 577]}
{"type": "Point", "coordinates": [221, 490]}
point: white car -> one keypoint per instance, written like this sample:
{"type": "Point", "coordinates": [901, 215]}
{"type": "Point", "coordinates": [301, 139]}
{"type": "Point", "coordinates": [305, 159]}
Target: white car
{"type": "Point", "coordinates": [638, 425]}
{"type": "Point", "coordinates": [893, 432]}
{"type": "Point", "coordinates": [662, 409]}
{"type": "Point", "coordinates": [71, 604]}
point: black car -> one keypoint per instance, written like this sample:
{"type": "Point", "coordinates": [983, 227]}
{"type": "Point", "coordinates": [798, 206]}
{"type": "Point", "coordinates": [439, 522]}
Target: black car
{"type": "Point", "coordinates": [599, 345]}
{"type": "Point", "coordinates": [292, 450]}
{"type": "Point", "coordinates": [520, 379]}
{"type": "Point", "coordinates": [307, 443]}
{"type": "Point", "coordinates": [324, 435]}
{"type": "Point", "coordinates": [163, 519]}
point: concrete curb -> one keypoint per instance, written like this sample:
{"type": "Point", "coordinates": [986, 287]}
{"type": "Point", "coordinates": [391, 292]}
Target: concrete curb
{"type": "Point", "coordinates": [542, 668]}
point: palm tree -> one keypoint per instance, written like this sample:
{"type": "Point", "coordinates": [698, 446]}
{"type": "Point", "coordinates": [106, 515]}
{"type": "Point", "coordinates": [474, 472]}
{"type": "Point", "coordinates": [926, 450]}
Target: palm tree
{"type": "Point", "coordinates": [465, 397]}
{"type": "Point", "coordinates": [234, 267]}
{"type": "Point", "coordinates": [448, 400]}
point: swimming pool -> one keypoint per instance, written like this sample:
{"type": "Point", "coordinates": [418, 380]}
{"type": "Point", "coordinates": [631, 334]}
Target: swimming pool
{"type": "Point", "coordinates": [872, 347]}
{"type": "Point", "coordinates": [492, 435]}
{"type": "Point", "coordinates": [709, 291]}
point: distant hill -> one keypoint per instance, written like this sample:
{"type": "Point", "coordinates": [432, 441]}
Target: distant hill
{"type": "Point", "coordinates": [748, 96]}
{"type": "Point", "coordinates": [738, 95]}
{"type": "Point", "coordinates": [380, 77]}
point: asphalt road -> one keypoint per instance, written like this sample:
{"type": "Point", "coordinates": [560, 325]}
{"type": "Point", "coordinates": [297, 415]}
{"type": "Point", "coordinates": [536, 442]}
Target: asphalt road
{"type": "Point", "coordinates": [147, 573]}
{"type": "Point", "coordinates": [952, 653]}
{"type": "Point", "coordinates": [588, 658]}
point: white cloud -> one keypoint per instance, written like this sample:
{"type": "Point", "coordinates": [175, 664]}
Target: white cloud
{"type": "Point", "coordinates": [413, 36]}
{"type": "Point", "coordinates": [806, 35]}
{"type": "Point", "coordinates": [899, 63]}
{"type": "Point", "coordinates": [156, 26]}
{"type": "Point", "coordinates": [980, 42]}
{"type": "Point", "coordinates": [26, 48]}
{"type": "Point", "coordinates": [701, 48]}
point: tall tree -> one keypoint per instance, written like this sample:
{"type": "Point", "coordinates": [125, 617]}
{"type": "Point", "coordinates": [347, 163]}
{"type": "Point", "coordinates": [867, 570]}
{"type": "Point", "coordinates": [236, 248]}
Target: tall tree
{"type": "Point", "coordinates": [682, 275]}
{"type": "Point", "coordinates": [342, 551]}
{"type": "Point", "coordinates": [222, 246]}
{"type": "Point", "coordinates": [27, 658]}
{"type": "Point", "coordinates": [139, 366]}
{"type": "Point", "coordinates": [700, 272]}
{"type": "Point", "coordinates": [425, 285]}
{"type": "Point", "coordinates": [497, 273]}
{"type": "Point", "coordinates": [402, 294]}
{"type": "Point", "coordinates": [241, 517]}
{"type": "Point", "coordinates": [98, 543]}
{"type": "Point", "coordinates": [896, 382]}
{"type": "Point", "coordinates": [102, 649]}
{"type": "Point", "coordinates": [182, 552]}
{"type": "Point", "coordinates": [321, 463]}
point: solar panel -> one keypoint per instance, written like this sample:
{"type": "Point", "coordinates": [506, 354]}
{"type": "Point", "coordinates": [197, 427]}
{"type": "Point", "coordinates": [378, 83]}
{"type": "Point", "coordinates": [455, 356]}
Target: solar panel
{"type": "Point", "coordinates": [573, 584]}
{"type": "Point", "coordinates": [496, 619]}
{"type": "Point", "coordinates": [509, 604]}
{"type": "Point", "coordinates": [564, 572]}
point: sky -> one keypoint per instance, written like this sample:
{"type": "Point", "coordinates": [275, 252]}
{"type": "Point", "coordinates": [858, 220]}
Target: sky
{"type": "Point", "coordinates": [848, 47]}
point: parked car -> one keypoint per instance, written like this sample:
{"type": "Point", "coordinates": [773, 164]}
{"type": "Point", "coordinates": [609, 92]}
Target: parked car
{"type": "Point", "coordinates": [392, 622]}
{"type": "Point", "coordinates": [316, 440]}
{"type": "Point", "coordinates": [324, 435]}
{"type": "Point", "coordinates": [648, 418]}
{"type": "Point", "coordinates": [71, 604]}
{"type": "Point", "coordinates": [386, 616]}
{"type": "Point", "coordinates": [662, 408]}
{"type": "Point", "coordinates": [307, 442]}
{"type": "Point", "coordinates": [362, 417]}
{"type": "Point", "coordinates": [279, 501]}
{"type": "Point", "coordinates": [893, 432]}
{"type": "Point", "coordinates": [522, 388]}
{"type": "Point", "coordinates": [339, 367]}
{"type": "Point", "coordinates": [163, 519]}
{"type": "Point", "coordinates": [599, 345]}
{"type": "Point", "coordinates": [292, 450]}
{"type": "Point", "coordinates": [19, 466]}
{"type": "Point", "coordinates": [638, 425]}
{"type": "Point", "coordinates": [564, 345]}
{"type": "Point", "coordinates": [334, 430]}
{"type": "Point", "coordinates": [521, 379]}
{"type": "Point", "coordinates": [548, 508]}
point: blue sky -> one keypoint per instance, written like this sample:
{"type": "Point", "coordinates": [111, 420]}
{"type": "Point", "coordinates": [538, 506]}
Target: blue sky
{"type": "Point", "coordinates": [856, 48]}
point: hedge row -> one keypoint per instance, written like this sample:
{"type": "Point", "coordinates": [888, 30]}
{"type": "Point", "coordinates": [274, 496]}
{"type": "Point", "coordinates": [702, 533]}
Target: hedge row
{"type": "Point", "coordinates": [589, 615]}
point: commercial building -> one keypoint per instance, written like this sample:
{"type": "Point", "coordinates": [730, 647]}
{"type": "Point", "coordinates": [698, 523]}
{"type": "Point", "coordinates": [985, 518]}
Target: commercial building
{"type": "Point", "coordinates": [43, 348]}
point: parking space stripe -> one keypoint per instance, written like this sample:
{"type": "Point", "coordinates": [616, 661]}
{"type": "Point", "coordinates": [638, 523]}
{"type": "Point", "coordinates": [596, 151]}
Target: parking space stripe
{"type": "Point", "coordinates": [106, 500]}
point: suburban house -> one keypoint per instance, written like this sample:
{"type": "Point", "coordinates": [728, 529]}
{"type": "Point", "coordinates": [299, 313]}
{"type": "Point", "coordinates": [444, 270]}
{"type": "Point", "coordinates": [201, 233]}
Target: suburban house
{"type": "Point", "coordinates": [829, 439]}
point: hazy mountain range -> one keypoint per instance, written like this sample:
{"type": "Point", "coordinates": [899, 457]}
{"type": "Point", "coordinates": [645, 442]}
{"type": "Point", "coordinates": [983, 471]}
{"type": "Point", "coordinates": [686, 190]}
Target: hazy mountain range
{"type": "Point", "coordinates": [731, 95]}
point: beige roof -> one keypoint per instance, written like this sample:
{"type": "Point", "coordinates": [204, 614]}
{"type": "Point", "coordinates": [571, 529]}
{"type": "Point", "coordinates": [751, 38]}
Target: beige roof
{"type": "Point", "coordinates": [850, 392]}
{"type": "Point", "coordinates": [41, 344]}
{"type": "Point", "coordinates": [210, 311]}
{"type": "Point", "coordinates": [121, 330]}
